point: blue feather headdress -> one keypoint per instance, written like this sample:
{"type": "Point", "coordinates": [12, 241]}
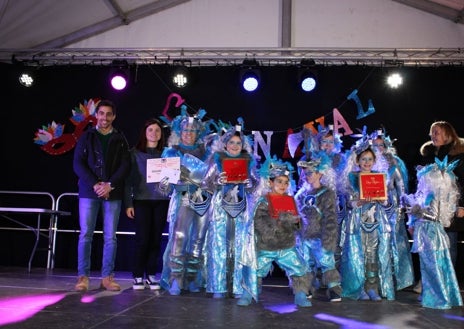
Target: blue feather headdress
{"type": "Point", "coordinates": [226, 131]}
{"type": "Point", "coordinates": [381, 133]}
{"type": "Point", "coordinates": [363, 143]}
{"type": "Point", "coordinates": [321, 134]}
{"type": "Point", "coordinates": [185, 120]}
{"type": "Point", "coordinates": [274, 167]}
{"type": "Point", "coordinates": [320, 162]}
{"type": "Point", "coordinates": [443, 166]}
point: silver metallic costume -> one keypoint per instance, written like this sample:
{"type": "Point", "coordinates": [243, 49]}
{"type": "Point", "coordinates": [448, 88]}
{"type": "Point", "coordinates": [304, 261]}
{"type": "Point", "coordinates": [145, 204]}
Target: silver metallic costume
{"type": "Point", "coordinates": [187, 217]}
{"type": "Point", "coordinates": [431, 209]}
{"type": "Point", "coordinates": [366, 257]}
{"type": "Point", "coordinates": [229, 223]}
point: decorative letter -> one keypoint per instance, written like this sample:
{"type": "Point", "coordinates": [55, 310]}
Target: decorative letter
{"type": "Point", "coordinates": [179, 102]}
{"type": "Point", "coordinates": [292, 143]}
{"type": "Point", "coordinates": [310, 125]}
{"type": "Point", "coordinates": [340, 122]}
{"type": "Point", "coordinates": [361, 114]}
{"type": "Point", "coordinates": [265, 146]}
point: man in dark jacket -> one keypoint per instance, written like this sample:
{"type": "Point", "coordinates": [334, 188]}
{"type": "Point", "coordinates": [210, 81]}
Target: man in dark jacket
{"type": "Point", "coordinates": [101, 161]}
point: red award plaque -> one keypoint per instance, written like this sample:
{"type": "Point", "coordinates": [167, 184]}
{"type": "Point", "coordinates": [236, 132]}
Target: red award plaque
{"type": "Point", "coordinates": [281, 203]}
{"type": "Point", "coordinates": [236, 169]}
{"type": "Point", "coordinates": [372, 186]}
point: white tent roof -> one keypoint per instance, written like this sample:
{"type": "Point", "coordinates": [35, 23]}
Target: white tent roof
{"type": "Point", "coordinates": [213, 31]}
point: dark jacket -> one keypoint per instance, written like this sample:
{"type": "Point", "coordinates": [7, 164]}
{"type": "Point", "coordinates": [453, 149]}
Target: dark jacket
{"type": "Point", "coordinates": [137, 187]}
{"type": "Point", "coordinates": [456, 152]}
{"type": "Point", "coordinates": [91, 167]}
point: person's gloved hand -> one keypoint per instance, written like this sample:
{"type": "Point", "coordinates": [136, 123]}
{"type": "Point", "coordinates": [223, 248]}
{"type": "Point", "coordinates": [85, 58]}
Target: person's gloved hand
{"type": "Point", "coordinates": [164, 184]}
{"type": "Point", "coordinates": [415, 211]}
{"type": "Point", "coordinates": [222, 178]}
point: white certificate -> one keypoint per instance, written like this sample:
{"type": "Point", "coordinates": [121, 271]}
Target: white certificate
{"type": "Point", "coordinates": [159, 168]}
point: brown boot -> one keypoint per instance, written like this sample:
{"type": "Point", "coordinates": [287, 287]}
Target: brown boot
{"type": "Point", "coordinates": [82, 284]}
{"type": "Point", "coordinates": [108, 283]}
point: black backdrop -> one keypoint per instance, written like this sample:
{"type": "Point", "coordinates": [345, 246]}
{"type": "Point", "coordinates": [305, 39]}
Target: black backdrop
{"type": "Point", "coordinates": [427, 94]}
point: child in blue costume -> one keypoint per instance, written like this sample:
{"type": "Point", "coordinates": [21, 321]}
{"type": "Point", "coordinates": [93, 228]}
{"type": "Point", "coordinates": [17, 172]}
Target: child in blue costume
{"type": "Point", "coordinates": [317, 203]}
{"type": "Point", "coordinates": [276, 237]}
{"type": "Point", "coordinates": [366, 265]}
{"type": "Point", "coordinates": [431, 209]}
{"type": "Point", "coordinates": [328, 141]}
{"type": "Point", "coordinates": [229, 214]}
{"type": "Point", "coordinates": [397, 185]}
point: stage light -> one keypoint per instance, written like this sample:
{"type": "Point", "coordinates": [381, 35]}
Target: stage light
{"type": "Point", "coordinates": [394, 80]}
{"type": "Point", "coordinates": [250, 75]}
{"type": "Point", "coordinates": [119, 74]}
{"type": "Point", "coordinates": [180, 77]}
{"type": "Point", "coordinates": [250, 81]}
{"type": "Point", "coordinates": [26, 79]}
{"type": "Point", "coordinates": [119, 81]}
{"type": "Point", "coordinates": [307, 79]}
{"type": "Point", "coordinates": [308, 82]}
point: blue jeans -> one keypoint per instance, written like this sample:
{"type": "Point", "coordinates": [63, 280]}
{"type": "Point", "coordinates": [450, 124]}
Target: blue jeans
{"type": "Point", "coordinates": [88, 212]}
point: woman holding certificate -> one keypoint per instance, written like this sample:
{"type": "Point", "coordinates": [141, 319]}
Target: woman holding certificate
{"type": "Point", "coordinates": [182, 260]}
{"type": "Point", "coordinates": [146, 205]}
{"type": "Point", "coordinates": [232, 177]}
{"type": "Point", "coordinates": [366, 266]}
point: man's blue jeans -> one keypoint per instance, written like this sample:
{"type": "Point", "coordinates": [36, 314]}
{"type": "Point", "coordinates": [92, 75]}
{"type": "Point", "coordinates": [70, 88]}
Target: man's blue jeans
{"type": "Point", "coordinates": [88, 213]}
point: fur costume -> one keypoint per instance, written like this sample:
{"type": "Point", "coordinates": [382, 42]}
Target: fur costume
{"type": "Point", "coordinates": [319, 235]}
{"type": "Point", "coordinates": [276, 239]}
{"type": "Point", "coordinates": [274, 234]}
{"type": "Point", "coordinates": [319, 215]}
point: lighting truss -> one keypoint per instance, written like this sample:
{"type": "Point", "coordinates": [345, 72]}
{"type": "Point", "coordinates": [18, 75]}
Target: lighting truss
{"type": "Point", "coordinates": [235, 56]}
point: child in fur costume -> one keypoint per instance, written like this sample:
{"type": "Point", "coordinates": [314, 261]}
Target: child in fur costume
{"type": "Point", "coordinates": [276, 237]}
{"type": "Point", "coordinates": [317, 203]}
{"type": "Point", "coordinates": [432, 209]}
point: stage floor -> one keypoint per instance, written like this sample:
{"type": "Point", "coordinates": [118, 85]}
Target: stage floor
{"type": "Point", "coordinates": [45, 299]}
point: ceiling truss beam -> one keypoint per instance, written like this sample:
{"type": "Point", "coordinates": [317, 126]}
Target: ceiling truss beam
{"type": "Point", "coordinates": [235, 56]}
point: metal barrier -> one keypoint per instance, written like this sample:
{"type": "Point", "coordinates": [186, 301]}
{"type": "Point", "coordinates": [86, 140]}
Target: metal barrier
{"type": "Point", "coordinates": [55, 229]}
{"type": "Point", "coordinates": [13, 203]}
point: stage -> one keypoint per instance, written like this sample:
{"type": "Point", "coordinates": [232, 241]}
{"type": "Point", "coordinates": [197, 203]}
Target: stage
{"type": "Point", "coordinates": [45, 299]}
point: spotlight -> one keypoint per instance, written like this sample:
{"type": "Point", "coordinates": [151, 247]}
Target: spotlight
{"type": "Point", "coordinates": [394, 80]}
{"type": "Point", "coordinates": [308, 82]}
{"type": "Point", "coordinates": [180, 77]}
{"type": "Point", "coordinates": [306, 76]}
{"type": "Point", "coordinates": [119, 74]}
{"type": "Point", "coordinates": [250, 76]}
{"type": "Point", "coordinates": [26, 79]}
